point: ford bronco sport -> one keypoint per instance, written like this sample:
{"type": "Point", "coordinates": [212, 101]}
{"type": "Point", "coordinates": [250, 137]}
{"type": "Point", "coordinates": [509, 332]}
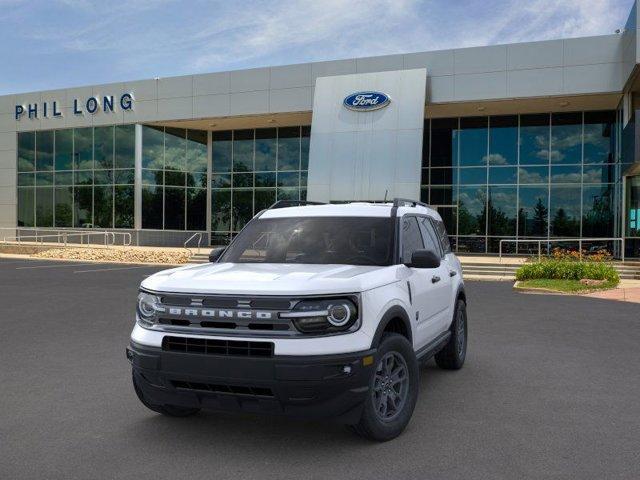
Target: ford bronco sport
{"type": "Point", "coordinates": [313, 310]}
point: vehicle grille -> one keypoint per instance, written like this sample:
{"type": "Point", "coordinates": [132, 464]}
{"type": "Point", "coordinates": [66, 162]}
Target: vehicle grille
{"type": "Point", "coordinates": [228, 389]}
{"type": "Point", "coordinates": [208, 346]}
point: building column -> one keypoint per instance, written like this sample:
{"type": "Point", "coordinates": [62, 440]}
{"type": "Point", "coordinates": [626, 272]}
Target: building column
{"type": "Point", "coordinates": [137, 210]}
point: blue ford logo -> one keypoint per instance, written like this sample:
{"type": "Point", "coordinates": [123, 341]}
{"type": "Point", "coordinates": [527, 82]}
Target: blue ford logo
{"type": "Point", "coordinates": [366, 101]}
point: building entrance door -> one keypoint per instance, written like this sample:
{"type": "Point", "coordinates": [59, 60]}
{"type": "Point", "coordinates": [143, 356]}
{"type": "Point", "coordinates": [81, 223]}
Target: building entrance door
{"type": "Point", "coordinates": [631, 216]}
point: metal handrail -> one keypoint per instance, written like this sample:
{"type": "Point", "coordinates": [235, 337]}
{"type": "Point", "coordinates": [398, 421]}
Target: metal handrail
{"type": "Point", "coordinates": [63, 238]}
{"type": "Point", "coordinates": [548, 241]}
{"type": "Point", "coordinates": [197, 234]}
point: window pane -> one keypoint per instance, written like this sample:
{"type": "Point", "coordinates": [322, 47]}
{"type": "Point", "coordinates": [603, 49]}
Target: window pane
{"type": "Point", "coordinates": [44, 179]}
{"type": "Point", "coordinates": [564, 211]}
{"type": "Point", "coordinates": [599, 141]}
{"type": "Point", "coordinates": [266, 179]}
{"type": "Point", "coordinates": [264, 198]}
{"type": "Point", "coordinates": [64, 150]}
{"type": "Point", "coordinates": [534, 139]}
{"type": "Point", "coordinates": [471, 210]}
{"type": "Point", "coordinates": [152, 147]}
{"type": "Point", "coordinates": [174, 199]}
{"type": "Point", "coordinates": [222, 181]}
{"type": "Point", "coordinates": [287, 193]}
{"type": "Point", "coordinates": [26, 201]}
{"type": "Point", "coordinates": [26, 179]}
{"type": "Point", "coordinates": [220, 210]}
{"type": "Point", "coordinates": [266, 149]}
{"type": "Point", "coordinates": [289, 148]}
{"type": "Point", "coordinates": [125, 151]}
{"type": "Point", "coordinates": [429, 236]}
{"type": "Point", "coordinates": [503, 175]}
{"type": "Point", "coordinates": [152, 177]}
{"type": "Point", "coordinates": [442, 196]}
{"type": "Point", "coordinates": [26, 151]}
{"type": "Point", "coordinates": [44, 150]}
{"type": "Point", "coordinates": [288, 179]}
{"type": "Point", "coordinates": [103, 147]}
{"type": "Point", "coordinates": [152, 207]}
{"type": "Point", "coordinates": [175, 149]}
{"type": "Point", "coordinates": [221, 151]}
{"type": "Point", "coordinates": [83, 206]}
{"type": "Point", "coordinates": [597, 211]}
{"type": "Point", "coordinates": [443, 142]}
{"type": "Point", "coordinates": [124, 206]}
{"type": "Point", "coordinates": [571, 174]}
{"type": "Point", "coordinates": [411, 238]}
{"type": "Point", "coordinates": [473, 176]}
{"type": "Point", "coordinates": [443, 176]}
{"type": "Point", "coordinates": [44, 207]}
{"type": "Point", "coordinates": [304, 147]}
{"type": "Point", "coordinates": [600, 173]}
{"type": "Point", "coordinates": [103, 207]}
{"type": "Point", "coordinates": [503, 140]}
{"type": "Point", "coordinates": [172, 178]}
{"type": "Point", "coordinates": [197, 151]}
{"type": "Point", "coordinates": [83, 177]}
{"type": "Point", "coordinates": [533, 213]}
{"type": "Point", "coordinates": [83, 148]}
{"type": "Point", "coordinates": [242, 180]}
{"type": "Point", "coordinates": [243, 150]}
{"type": "Point", "coordinates": [64, 178]}
{"type": "Point", "coordinates": [196, 209]}
{"type": "Point", "coordinates": [533, 174]}
{"type": "Point", "coordinates": [473, 141]}
{"type": "Point", "coordinates": [124, 176]}
{"type": "Point", "coordinates": [242, 208]}
{"type": "Point", "coordinates": [566, 138]}
{"type": "Point", "coordinates": [64, 206]}
{"type": "Point", "coordinates": [197, 179]}
{"type": "Point", "coordinates": [102, 177]}
{"type": "Point", "coordinates": [502, 210]}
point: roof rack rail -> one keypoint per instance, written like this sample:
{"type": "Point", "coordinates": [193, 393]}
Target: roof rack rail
{"type": "Point", "coordinates": [400, 202]}
{"type": "Point", "coordinates": [293, 203]}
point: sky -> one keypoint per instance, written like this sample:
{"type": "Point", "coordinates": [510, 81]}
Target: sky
{"type": "Point", "coordinates": [48, 44]}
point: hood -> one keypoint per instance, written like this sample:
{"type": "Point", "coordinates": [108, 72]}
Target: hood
{"type": "Point", "coordinates": [270, 279]}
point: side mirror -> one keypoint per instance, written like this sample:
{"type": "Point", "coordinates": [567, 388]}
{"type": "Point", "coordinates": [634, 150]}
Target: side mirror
{"type": "Point", "coordinates": [215, 254]}
{"type": "Point", "coordinates": [424, 259]}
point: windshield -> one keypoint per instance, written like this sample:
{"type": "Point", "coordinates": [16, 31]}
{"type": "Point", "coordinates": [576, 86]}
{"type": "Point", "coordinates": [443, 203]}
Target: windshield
{"type": "Point", "coordinates": [318, 240]}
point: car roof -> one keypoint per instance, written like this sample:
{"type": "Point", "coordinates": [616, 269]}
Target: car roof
{"type": "Point", "coordinates": [353, 209]}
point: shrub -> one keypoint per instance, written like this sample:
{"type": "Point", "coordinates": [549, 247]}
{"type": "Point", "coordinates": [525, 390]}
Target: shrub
{"type": "Point", "coordinates": [568, 270]}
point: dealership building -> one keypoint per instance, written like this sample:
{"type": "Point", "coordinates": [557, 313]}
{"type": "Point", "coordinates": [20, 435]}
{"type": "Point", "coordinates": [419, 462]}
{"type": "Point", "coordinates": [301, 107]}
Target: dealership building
{"type": "Point", "coordinates": [518, 142]}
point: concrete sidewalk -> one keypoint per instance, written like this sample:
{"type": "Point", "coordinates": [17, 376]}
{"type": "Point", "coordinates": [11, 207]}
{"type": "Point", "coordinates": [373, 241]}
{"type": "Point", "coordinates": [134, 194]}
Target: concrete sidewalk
{"type": "Point", "coordinates": [627, 291]}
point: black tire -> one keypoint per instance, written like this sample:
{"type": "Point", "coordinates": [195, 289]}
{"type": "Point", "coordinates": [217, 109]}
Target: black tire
{"type": "Point", "coordinates": [169, 410]}
{"type": "Point", "coordinates": [452, 356]}
{"type": "Point", "coordinates": [383, 426]}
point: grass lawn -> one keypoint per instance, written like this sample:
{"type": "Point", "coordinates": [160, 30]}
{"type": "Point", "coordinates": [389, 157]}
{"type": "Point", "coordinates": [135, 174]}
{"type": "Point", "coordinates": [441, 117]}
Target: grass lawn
{"type": "Point", "coordinates": [566, 286]}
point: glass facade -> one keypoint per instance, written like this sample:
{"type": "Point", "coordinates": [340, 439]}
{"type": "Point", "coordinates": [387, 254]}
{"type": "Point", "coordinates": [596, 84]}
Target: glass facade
{"type": "Point", "coordinates": [174, 179]}
{"type": "Point", "coordinates": [533, 176]}
{"type": "Point", "coordinates": [251, 169]}
{"type": "Point", "coordinates": [81, 177]}
{"type": "Point", "coordinates": [522, 177]}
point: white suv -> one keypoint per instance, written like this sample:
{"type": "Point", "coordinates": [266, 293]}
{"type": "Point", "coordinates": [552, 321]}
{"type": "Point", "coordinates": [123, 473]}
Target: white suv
{"type": "Point", "coordinates": [313, 310]}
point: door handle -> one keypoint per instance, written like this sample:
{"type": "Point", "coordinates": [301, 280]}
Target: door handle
{"type": "Point", "coordinates": [435, 279]}
{"type": "Point", "coordinates": [452, 273]}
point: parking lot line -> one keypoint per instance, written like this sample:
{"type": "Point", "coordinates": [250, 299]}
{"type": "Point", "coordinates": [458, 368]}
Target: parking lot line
{"type": "Point", "coordinates": [114, 268]}
{"type": "Point", "coordinates": [57, 265]}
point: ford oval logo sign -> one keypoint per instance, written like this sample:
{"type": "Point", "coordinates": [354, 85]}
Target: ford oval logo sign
{"type": "Point", "coordinates": [366, 101]}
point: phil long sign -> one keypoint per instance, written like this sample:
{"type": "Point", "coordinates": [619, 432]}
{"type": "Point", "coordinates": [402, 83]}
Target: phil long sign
{"type": "Point", "coordinates": [91, 105]}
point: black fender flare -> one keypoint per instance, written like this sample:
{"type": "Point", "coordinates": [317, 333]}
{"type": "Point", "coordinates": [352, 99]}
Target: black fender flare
{"type": "Point", "coordinates": [394, 312]}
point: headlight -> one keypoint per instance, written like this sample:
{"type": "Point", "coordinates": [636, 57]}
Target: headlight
{"type": "Point", "coordinates": [148, 306]}
{"type": "Point", "coordinates": [330, 315]}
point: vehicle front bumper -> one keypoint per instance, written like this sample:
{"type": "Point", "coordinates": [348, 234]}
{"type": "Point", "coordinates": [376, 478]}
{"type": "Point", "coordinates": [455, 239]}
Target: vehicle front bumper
{"type": "Point", "coordinates": [318, 386]}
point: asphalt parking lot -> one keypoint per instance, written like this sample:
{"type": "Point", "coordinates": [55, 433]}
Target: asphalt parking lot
{"type": "Point", "coordinates": [551, 389]}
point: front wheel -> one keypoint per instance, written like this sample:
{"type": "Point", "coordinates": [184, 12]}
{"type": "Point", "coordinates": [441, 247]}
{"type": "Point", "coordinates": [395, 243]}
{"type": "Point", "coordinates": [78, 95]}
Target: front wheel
{"type": "Point", "coordinates": [393, 391]}
{"type": "Point", "coordinates": [452, 356]}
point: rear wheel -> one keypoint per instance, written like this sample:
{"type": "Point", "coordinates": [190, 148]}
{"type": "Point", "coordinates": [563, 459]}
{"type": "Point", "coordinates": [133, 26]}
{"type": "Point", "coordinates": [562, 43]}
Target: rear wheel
{"type": "Point", "coordinates": [452, 356]}
{"type": "Point", "coordinates": [393, 391]}
{"type": "Point", "coordinates": [169, 410]}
